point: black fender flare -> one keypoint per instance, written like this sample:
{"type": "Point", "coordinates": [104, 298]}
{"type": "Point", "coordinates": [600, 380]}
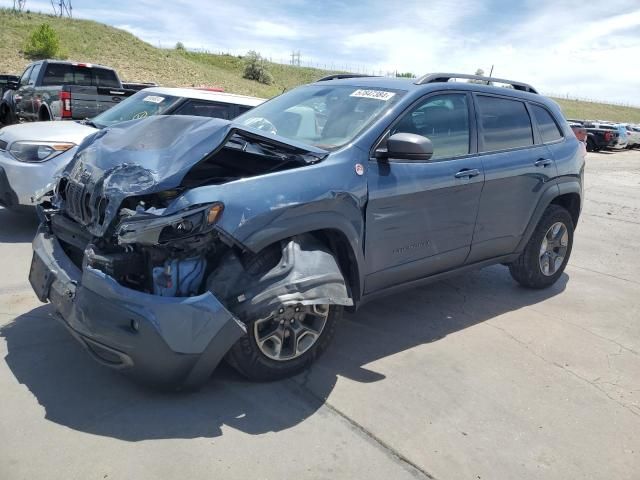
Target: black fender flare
{"type": "Point", "coordinates": [307, 273]}
{"type": "Point", "coordinates": [349, 230]}
{"type": "Point", "coordinates": [554, 189]}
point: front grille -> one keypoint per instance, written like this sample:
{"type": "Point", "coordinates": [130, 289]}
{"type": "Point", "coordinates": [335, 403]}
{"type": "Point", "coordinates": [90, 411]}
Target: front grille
{"type": "Point", "coordinates": [3, 145]}
{"type": "Point", "coordinates": [78, 203]}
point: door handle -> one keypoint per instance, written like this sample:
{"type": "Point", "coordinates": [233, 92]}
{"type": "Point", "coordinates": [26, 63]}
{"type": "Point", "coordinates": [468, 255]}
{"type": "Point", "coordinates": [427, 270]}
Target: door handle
{"type": "Point", "coordinates": [543, 162]}
{"type": "Point", "coordinates": [467, 173]}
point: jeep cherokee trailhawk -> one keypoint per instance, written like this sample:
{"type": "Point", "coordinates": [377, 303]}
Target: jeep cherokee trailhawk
{"type": "Point", "coordinates": [172, 242]}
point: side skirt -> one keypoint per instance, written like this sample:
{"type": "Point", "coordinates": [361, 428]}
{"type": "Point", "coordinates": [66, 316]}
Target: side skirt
{"type": "Point", "coordinates": [436, 278]}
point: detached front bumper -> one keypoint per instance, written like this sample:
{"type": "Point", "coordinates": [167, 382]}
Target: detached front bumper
{"type": "Point", "coordinates": [166, 341]}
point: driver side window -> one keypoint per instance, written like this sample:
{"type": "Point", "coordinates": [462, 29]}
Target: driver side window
{"type": "Point", "coordinates": [444, 119]}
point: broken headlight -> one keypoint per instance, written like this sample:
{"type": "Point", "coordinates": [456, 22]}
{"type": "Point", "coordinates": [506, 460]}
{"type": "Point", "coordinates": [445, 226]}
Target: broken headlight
{"type": "Point", "coordinates": [36, 152]}
{"type": "Point", "coordinates": [149, 229]}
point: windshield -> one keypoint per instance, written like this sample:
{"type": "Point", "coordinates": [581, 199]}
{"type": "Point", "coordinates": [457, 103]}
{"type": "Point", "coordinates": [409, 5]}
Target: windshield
{"type": "Point", "coordinates": [321, 115]}
{"type": "Point", "coordinates": [140, 105]}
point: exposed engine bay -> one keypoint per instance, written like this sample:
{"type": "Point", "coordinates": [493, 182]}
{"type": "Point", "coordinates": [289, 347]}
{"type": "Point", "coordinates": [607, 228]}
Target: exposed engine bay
{"type": "Point", "coordinates": [114, 215]}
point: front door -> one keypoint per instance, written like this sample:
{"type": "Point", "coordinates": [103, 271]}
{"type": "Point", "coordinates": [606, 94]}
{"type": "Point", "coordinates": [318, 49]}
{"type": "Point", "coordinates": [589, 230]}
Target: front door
{"type": "Point", "coordinates": [421, 214]}
{"type": "Point", "coordinates": [20, 92]}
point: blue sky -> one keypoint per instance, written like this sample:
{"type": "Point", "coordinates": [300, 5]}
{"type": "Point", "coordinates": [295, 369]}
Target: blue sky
{"type": "Point", "coordinates": [583, 48]}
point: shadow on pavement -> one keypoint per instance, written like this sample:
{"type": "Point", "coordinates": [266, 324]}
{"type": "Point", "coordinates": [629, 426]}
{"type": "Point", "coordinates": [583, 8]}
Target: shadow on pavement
{"type": "Point", "coordinates": [17, 227]}
{"type": "Point", "coordinates": [79, 394]}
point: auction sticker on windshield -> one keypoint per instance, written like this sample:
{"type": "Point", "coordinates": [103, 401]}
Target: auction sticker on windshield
{"type": "Point", "coordinates": [375, 94]}
{"type": "Point", "coordinates": [153, 99]}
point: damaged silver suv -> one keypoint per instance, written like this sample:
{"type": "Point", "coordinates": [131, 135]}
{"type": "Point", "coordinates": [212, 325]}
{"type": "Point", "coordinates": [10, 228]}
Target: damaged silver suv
{"type": "Point", "coordinates": [173, 242]}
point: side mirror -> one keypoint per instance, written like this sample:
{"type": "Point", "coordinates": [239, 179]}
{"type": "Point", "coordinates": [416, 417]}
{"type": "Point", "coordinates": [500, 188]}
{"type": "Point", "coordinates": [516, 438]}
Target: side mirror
{"type": "Point", "coordinates": [407, 146]}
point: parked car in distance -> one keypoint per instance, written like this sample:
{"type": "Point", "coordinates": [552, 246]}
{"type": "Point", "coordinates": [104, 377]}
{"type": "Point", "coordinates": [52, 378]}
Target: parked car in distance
{"type": "Point", "coordinates": [137, 86]}
{"type": "Point", "coordinates": [633, 134]}
{"type": "Point", "coordinates": [174, 242]}
{"type": "Point", "coordinates": [32, 154]}
{"type": "Point", "coordinates": [579, 131]}
{"type": "Point", "coordinates": [598, 138]}
{"type": "Point", "coordinates": [57, 90]}
{"type": "Point", "coordinates": [6, 80]}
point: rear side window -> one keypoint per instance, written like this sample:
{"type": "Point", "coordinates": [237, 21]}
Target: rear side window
{"type": "Point", "coordinates": [65, 74]}
{"type": "Point", "coordinates": [505, 124]}
{"type": "Point", "coordinates": [546, 124]}
{"type": "Point", "coordinates": [205, 109]}
{"type": "Point", "coordinates": [103, 77]}
{"type": "Point", "coordinates": [444, 119]}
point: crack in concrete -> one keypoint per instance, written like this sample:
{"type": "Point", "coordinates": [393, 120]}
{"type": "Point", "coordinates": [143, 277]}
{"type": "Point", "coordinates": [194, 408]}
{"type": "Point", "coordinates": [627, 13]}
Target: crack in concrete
{"type": "Point", "coordinates": [629, 408]}
{"type": "Point", "coordinates": [304, 392]}
{"type": "Point", "coordinates": [573, 265]}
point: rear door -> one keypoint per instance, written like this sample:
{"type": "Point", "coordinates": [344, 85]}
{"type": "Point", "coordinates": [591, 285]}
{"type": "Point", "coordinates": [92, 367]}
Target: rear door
{"type": "Point", "coordinates": [421, 214]}
{"type": "Point", "coordinates": [516, 166]}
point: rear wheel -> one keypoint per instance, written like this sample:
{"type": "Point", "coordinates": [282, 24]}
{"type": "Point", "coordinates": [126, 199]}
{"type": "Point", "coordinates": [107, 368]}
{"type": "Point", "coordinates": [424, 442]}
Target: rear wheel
{"type": "Point", "coordinates": [591, 147]}
{"type": "Point", "coordinates": [43, 116]}
{"type": "Point", "coordinates": [547, 253]}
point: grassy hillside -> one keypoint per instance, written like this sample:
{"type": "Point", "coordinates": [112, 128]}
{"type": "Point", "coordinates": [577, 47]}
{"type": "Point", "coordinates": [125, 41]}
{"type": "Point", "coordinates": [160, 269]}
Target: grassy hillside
{"type": "Point", "coordinates": [135, 60]}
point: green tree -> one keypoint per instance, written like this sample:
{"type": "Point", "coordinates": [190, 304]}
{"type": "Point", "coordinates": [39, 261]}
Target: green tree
{"type": "Point", "coordinates": [255, 68]}
{"type": "Point", "coordinates": [42, 43]}
{"type": "Point", "coordinates": [180, 46]}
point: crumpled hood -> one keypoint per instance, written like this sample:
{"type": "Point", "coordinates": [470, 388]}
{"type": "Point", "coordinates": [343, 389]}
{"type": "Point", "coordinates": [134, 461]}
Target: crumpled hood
{"type": "Point", "coordinates": [144, 157]}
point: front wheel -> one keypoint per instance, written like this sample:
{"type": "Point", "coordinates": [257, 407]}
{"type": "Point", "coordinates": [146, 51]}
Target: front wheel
{"type": "Point", "coordinates": [547, 252]}
{"type": "Point", "coordinates": [285, 342]}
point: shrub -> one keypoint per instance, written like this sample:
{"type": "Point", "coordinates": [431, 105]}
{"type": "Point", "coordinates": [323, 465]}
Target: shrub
{"type": "Point", "coordinates": [42, 43]}
{"type": "Point", "coordinates": [255, 69]}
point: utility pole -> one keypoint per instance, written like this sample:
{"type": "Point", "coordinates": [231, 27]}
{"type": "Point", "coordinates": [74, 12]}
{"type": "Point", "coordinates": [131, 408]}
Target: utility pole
{"type": "Point", "coordinates": [62, 8]}
{"type": "Point", "coordinates": [295, 58]}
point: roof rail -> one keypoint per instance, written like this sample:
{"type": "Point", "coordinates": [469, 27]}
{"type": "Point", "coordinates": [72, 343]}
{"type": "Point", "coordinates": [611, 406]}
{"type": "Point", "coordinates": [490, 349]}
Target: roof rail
{"type": "Point", "coordinates": [338, 76]}
{"type": "Point", "coordinates": [445, 77]}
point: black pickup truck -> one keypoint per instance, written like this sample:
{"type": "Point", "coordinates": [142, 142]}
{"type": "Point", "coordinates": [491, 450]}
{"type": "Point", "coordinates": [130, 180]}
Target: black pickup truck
{"type": "Point", "coordinates": [599, 137]}
{"type": "Point", "coordinates": [6, 80]}
{"type": "Point", "coordinates": [55, 90]}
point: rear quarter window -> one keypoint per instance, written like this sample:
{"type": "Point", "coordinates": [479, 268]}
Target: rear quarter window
{"type": "Point", "coordinates": [505, 124]}
{"type": "Point", "coordinates": [548, 127]}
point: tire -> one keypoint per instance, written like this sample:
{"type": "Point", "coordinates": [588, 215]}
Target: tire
{"type": "Point", "coordinates": [590, 145]}
{"type": "Point", "coordinates": [43, 116]}
{"type": "Point", "coordinates": [535, 269]}
{"type": "Point", "coordinates": [251, 361]}
{"type": "Point", "coordinates": [6, 118]}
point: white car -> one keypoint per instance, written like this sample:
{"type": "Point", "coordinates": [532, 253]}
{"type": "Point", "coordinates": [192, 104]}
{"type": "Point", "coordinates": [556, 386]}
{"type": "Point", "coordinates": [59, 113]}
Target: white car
{"type": "Point", "coordinates": [32, 154]}
{"type": "Point", "coordinates": [633, 134]}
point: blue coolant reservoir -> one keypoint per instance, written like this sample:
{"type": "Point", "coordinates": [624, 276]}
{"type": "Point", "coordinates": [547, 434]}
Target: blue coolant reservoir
{"type": "Point", "coordinates": [179, 278]}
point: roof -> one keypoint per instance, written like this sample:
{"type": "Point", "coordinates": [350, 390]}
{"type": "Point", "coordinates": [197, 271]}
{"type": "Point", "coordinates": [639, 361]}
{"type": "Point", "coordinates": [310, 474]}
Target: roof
{"type": "Point", "coordinates": [409, 85]}
{"type": "Point", "coordinates": [207, 95]}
